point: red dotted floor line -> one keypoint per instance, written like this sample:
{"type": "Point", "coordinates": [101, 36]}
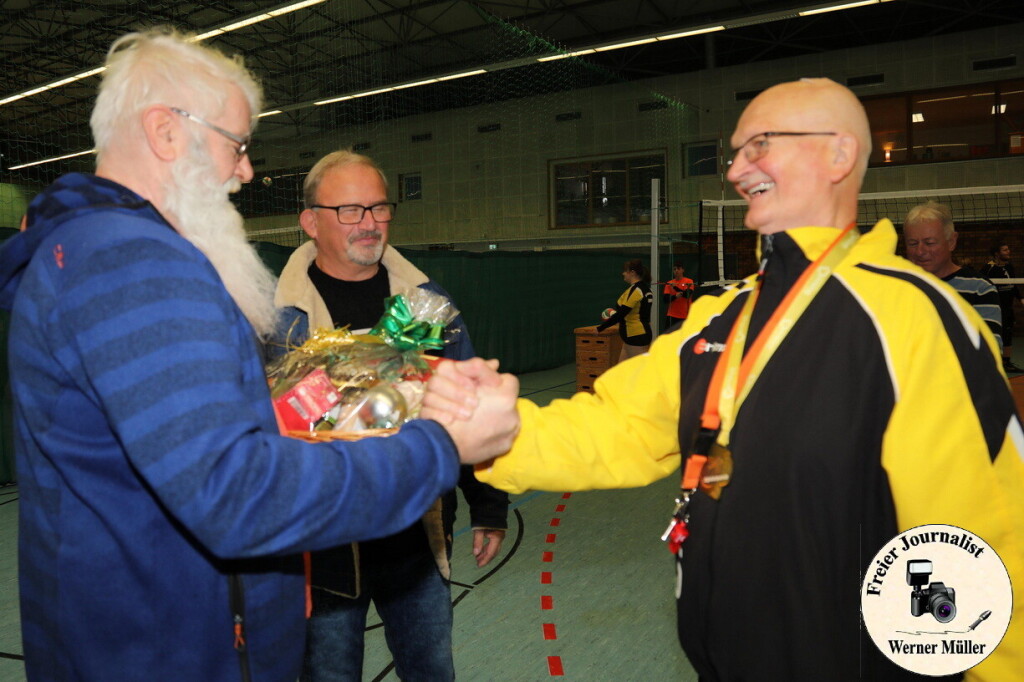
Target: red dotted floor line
{"type": "Point", "coordinates": [547, 602]}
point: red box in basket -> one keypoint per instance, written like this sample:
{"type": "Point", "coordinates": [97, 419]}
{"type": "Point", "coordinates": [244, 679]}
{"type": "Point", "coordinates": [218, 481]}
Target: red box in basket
{"type": "Point", "coordinates": [305, 403]}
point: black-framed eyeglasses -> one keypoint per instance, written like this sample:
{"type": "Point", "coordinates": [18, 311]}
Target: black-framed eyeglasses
{"type": "Point", "coordinates": [756, 147]}
{"type": "Point", "coordinates": [242, 142]}
{"type": "Point", "coordinates": [350, 214]}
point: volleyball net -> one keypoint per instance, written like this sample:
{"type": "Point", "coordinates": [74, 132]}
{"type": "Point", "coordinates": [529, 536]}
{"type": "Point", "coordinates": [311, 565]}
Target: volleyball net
{"type": "Point", "coordinates": [982, 216]}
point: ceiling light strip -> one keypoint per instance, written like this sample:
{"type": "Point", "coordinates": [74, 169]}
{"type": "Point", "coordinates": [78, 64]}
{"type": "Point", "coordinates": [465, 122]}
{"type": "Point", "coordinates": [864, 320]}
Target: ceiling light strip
{"type": "Point", "coordinates": [391, 88]}
{"type": "Point", "coordinates": [307, 3]}
{"type": "Point", "coordinates": [630, 43]}
{"type": "Point", "coordinates": [50, 160]}
{"type": "Point", "coordinates": [51, 86]}
{"type": "Point", "coordinates": [700, 30]}
{"type": "Point", "coordinates": [836, 8]}
{"type": "Point", "coordinates": [226, 28]}
{"type": "Point", "coordinates": [692, 32]}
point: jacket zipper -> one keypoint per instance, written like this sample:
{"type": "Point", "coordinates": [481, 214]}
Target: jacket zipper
{"type": "Point", "coordinates": [237, 599]}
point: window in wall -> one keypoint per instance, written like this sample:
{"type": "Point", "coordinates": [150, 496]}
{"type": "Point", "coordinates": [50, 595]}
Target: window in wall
{"type": "Point", "coordinates": [952, 124]}
{"type": "Point", "coordinates": [1010, 118]}
{"type": "Point", "coordinates": [979, 121]}
{"type": "Point", "coordinates": [411, 185]}
{"type": "Point", "coordinates": [701, 159]}
{"type": "Point", "coordinates": [887, 117]}
{"type": "Point", "coordinates": [611, 191]}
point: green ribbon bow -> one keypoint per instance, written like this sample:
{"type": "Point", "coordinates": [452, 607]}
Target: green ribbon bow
{"type": "Point", "coordinates": [400, 330]}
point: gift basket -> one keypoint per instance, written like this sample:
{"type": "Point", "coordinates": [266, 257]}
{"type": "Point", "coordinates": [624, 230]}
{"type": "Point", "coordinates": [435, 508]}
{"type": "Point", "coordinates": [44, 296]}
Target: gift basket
{"type": "Point", "coordinates": [340, 385]}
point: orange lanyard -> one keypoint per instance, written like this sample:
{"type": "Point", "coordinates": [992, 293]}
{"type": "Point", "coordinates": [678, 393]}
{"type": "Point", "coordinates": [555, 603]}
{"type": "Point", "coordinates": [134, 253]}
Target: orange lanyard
{"type": "Point", "coordinates": [709, 464]}
{"type": "Point", "coordinates": [735, 375]}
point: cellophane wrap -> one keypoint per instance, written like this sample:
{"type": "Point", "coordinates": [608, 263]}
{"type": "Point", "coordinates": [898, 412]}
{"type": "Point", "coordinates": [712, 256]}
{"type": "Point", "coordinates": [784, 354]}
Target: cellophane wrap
{"type": "Point", "coordinates": [344, 383]}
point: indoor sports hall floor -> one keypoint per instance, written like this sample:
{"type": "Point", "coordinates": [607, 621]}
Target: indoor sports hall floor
{"type": "Point", "coordinates": [582, 589]}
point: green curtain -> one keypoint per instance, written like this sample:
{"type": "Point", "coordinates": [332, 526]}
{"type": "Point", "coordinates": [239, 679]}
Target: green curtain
{"type": "Point", "coordinates": [7, 474]}
{"type": "Point", "coordinates": [519, 307]}
{"type": "Point", "coordinates": [6, 408]}
{"type": "Point", "coordinates": [522, 307]}
{"type": "Point", "coordinates": [274, 256]}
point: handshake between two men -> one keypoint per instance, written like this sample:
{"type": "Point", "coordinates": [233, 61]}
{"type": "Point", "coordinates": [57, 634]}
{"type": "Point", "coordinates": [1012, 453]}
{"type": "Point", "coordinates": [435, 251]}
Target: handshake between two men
{"type": "Point", "coordinates": [476, 404]}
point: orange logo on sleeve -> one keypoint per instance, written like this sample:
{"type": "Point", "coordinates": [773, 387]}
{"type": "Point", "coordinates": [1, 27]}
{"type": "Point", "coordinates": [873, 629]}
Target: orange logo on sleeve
{"type": "Point", "coordinates": [58, 256]}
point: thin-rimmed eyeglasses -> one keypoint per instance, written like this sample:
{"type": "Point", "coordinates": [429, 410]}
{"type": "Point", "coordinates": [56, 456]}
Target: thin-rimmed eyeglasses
{"type": "Point", "coordinates": [756, 147]}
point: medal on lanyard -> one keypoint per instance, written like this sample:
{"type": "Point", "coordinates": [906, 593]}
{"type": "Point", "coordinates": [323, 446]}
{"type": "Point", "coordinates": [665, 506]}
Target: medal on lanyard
{"type": "Point", "coordinates": [709, 465]}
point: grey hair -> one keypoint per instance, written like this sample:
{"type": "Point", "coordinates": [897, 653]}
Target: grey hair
{"type": "Point", "coordinates": [932, 210]}
{"type": "Point", "coordinates": [338, 159]}
{"type": "Point", "coordinates": [164, 66]}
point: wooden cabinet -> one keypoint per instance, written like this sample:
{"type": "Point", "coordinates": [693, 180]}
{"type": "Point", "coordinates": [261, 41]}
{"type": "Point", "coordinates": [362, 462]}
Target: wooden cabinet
{"type": "Point", "coordinates": [595, 353]}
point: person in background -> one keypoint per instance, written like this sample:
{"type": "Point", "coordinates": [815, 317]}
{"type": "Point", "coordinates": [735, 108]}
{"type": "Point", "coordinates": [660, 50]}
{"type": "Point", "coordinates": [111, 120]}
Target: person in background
{"type": "Point", "coordinates": [838, 397]}
{"type": "Point", "coordinates": [930, 238]}
{"type": "Point", "coordinates": [633, 310]}
{"type": "Point", "coordinates": [342, 277]}
{"type": "Point", "coordinates": [678, 293]}
{"type": "Point", "coordinates": [1000, 267]}
{"type": "Point", "coordinates": [161, 514]}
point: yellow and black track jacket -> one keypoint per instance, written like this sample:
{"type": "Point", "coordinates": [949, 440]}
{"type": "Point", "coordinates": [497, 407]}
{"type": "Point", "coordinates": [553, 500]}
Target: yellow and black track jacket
{"type": "Point", "coordinates": [883, 409]}
{"type": "Point", "coordinates": [633, 315]}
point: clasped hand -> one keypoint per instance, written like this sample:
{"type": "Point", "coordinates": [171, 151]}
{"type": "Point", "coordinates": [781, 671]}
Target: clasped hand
{"type": "Point", "coordinates": [476, 404]}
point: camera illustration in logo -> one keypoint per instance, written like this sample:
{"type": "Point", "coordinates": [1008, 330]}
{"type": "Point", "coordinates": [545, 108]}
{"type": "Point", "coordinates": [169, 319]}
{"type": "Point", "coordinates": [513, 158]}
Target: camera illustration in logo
{"type": "Point", "coordinates": [936, 599]}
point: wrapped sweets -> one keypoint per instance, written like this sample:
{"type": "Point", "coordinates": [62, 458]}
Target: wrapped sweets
{"type": "Point", "coordinates": [338, 382]}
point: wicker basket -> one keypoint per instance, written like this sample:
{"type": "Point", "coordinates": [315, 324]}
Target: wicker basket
{"type": "Point", "coordinates": [323, 436]}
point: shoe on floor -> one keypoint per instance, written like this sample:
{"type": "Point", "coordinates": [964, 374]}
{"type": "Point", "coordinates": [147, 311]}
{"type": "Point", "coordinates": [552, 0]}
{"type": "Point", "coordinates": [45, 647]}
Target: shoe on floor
{"type": "Point", "coordinates": [1009, 367]}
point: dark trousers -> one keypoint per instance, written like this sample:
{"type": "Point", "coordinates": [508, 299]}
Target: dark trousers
{"type": "Point", "coordinates": [413, 601]}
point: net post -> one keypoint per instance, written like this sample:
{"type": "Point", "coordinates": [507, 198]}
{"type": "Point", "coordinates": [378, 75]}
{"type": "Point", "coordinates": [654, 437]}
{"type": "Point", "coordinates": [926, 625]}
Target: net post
{"type": "Point", "coordinates": [655, 269]}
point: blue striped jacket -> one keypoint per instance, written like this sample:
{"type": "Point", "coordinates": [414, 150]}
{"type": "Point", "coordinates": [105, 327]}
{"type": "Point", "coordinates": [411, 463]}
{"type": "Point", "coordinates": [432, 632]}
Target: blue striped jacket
{"type": "Point", "coordinates": [149, 464]}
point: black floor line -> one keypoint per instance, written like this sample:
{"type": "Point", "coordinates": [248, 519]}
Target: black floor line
{"type": "Point", "coordinates": [548, 388]}
{"type": "Point", "coordinates": [466, 588]}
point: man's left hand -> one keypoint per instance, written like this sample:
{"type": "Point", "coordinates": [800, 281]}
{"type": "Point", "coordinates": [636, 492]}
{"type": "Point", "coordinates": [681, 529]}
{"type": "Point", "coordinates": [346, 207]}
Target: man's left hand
{"type": "Point", "coordinates": [486, 544]}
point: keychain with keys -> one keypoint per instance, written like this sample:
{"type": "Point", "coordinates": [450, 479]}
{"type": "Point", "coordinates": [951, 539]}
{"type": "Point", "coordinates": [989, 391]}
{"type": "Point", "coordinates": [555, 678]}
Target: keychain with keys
{"type": "Point", "coordinates": [677, 530]}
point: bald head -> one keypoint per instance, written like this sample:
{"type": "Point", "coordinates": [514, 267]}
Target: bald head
{"type": "Point", "coordinates": [801, 150]}
{"type": "Point", "coordinates": [819, 104]}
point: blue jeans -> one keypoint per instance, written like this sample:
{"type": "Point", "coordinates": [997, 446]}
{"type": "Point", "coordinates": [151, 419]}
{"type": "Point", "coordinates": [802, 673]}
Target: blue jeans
{"type": "Point", "coordinates": [413, 601]}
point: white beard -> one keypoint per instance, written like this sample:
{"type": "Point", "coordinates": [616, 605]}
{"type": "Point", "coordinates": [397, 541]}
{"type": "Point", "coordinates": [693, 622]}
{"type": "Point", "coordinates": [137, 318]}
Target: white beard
{"type": "Point", "coordinates": [364, 255]}
{"type": "Point", "coordinates": [205, 216]}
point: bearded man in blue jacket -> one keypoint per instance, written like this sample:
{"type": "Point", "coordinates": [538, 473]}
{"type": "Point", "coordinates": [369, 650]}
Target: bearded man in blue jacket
{"type": "Point", "coordinates": [161, 513]}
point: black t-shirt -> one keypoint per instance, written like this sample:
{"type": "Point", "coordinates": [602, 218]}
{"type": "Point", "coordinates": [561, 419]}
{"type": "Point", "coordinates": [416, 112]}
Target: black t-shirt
{"type": "Point", "coordinates": [360, 305]}
{"type": "Point", "coordinates": [1007, 292]}
{"type": "Point", "coordinates": [357, 304]}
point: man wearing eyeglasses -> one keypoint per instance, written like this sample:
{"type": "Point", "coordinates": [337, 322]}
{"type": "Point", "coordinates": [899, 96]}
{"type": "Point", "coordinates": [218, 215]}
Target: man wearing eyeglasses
{"type": "Point", "coordinates": [836, 398]}
{"type": "Point", "coordinates": [161, 515]}
{"type": "Point", "coordinates": [342, 277]}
